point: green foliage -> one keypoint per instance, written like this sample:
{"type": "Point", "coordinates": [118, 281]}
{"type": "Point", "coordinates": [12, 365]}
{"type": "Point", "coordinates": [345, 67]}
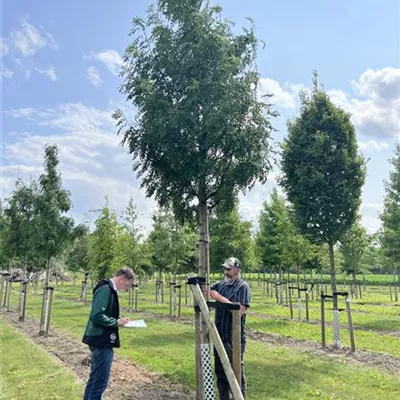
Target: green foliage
{"type": "Point", "coordinates": [231, 237]}
{"type": "Point", "coordinates": [4, 226]}
{"type": "Point", "coordinates": [77, 254]}
{"type": "Point", "coordinates": [52, 226]}
{"type": "Point", "coordinates": [200, 134]}
{"type": "Point", "coordinates": [279, 243]}
{"type": "Point", "coordinates": [353, 246]}
{"type": "Point", "coordinates": [102, 243]}
{"type": "Point", "coordinates": [391, 214]}
{"type": "Point", "coordinates": [273, 233]}
{"type": "Point", "coordinates": [373, 258]}
{"type": "Point", "coordinates": [323, 171]}
{"type": "Point", "coordinates": [299, 252]}
{"type": "Point", "coordinates": [20, 219]}
{"type": "Point", "coordinates": [128, 240]}
{"type": "Point", "coordinates": [171, 246]}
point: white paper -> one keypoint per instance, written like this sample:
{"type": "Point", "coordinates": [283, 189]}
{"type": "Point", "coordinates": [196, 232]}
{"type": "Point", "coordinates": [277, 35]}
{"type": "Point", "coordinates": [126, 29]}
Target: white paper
{"type": "Point", "coordinates": [139, 323]}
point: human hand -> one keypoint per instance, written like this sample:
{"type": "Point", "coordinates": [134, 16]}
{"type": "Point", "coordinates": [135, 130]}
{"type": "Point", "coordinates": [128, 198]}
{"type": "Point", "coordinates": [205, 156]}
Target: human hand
{"type": "Point", "coordinates": [122, 321]}
{"type": "Point", "coordinates": [214, 295]}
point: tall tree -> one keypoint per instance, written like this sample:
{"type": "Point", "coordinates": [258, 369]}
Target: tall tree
{"type": "Point", "coordinates": [391, 214]}
{"type": "Point", "coordinates": [53, 226]}
{"type": "Point", "coordinates": [323, 171]}
{"type": "Point", "coordinates": [201, 134]}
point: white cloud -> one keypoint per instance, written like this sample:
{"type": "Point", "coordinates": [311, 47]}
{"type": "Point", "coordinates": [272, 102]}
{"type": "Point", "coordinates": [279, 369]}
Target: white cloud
{"type": "Point", "coordinates": [27, 74]}
{"type": "Point", "coordinates": [285, 97]}
{"type": "Point", "coordinates": [6, 73]}
{"type": "Point", "coordinates": [29, 39]}
{"type": "Point", "coordinates": [92, 162]}
{"type": "Point", "coordinates": [21, 112]}
{"type": "Point", "coordinates": [370, 216]}
{"type": "Point", "coordinates": [377, 113]}
{"type": "Point", "coordinates": [94, 76]}
{"type": "Point", "coordinates": [383, 84]}
{"type": "Point", "coordinates": [50, 72]}
{"type": "Point", "coordinates": [373, 145]}
{"type": "Point", "coordinates": [372, 207]}
{"type": "Point", "coordinates": [110, 58]}
{"type": "Point", "coordinates": [3, 47]}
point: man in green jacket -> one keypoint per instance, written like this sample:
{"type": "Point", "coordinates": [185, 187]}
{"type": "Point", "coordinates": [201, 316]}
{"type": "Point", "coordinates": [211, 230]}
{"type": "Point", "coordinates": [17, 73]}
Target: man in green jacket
{"type": "Point", "coordinates": [101, 332]}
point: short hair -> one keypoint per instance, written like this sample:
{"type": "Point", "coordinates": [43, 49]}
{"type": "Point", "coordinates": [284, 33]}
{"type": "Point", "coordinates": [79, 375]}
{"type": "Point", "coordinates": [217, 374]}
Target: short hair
{"type": "Point", "coordinates": [126, 272]}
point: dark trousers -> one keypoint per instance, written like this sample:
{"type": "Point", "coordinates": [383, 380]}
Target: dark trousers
{"type": "Point", "coordinates": [222, 381]}
{"type": "Point", "coordinates": [102, 358]}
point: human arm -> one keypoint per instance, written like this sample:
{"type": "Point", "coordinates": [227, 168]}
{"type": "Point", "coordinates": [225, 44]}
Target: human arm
{"type": "Point", "coordinates": [101, 299]}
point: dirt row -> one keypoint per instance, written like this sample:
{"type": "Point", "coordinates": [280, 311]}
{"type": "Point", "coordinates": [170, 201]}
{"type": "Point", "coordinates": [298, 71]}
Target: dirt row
{"type": "Point", "coordinates": [128, 381]}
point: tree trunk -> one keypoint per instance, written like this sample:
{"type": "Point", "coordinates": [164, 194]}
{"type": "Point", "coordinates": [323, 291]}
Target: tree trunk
{"type": "Point", "coordinates": [47, 276]}
{"type": "Point", "coordinates": [354, 285]}
{"type": "Point", "coordinates": [204, 255]}
{"type": "Point", "coordinates": [333, 273]}
{"type": "Point", "coordinates": [25, 273]}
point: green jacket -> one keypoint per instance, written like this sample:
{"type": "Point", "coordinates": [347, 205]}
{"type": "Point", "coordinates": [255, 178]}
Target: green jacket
{"type": "Point", "coordinates": [102, 327]}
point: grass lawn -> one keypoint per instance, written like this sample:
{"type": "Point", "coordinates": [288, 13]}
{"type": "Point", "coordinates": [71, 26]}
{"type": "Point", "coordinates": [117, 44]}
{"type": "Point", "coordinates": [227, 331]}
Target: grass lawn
{"type": "Point", "coordinates": [273, 372]}
{"type": "Point", "coordinates": [27, 372]}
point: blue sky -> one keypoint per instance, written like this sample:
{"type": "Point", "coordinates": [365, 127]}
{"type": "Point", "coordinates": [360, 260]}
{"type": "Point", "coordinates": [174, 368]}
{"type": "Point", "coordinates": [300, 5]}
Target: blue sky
{"type": "Point", "coordinates": [59, 83]}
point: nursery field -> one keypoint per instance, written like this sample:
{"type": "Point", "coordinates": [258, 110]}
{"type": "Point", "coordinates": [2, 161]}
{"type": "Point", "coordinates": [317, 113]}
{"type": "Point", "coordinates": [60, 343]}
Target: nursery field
{"type": "Point", "coordinates": [284, 357]}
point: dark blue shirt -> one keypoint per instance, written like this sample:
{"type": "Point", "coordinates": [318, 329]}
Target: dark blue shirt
{"type": "Point", "coordinates": [236, 291]}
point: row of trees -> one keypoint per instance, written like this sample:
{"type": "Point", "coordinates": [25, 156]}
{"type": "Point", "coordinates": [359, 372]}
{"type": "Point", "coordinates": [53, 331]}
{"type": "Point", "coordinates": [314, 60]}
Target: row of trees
{"type": "Point", "coordinates": [201, 135]}
{"type": "Point", "coordinates": [170, 247]}
{"type": "Point", "coordinates": [36, 233]}
{"type": "Point", "coordinates": [278, 245]}
{"type": "Point", "coordinates": [34, 223]}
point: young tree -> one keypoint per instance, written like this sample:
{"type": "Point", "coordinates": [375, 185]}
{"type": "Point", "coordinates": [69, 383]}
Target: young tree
{"type": "Point", "coordinates": [200, 134]}
{"type": "Point", "coordinates": [130, 236]}
{"type": "Point", "coordinates": [159, 242]}
{"type": "Point", "coordinates": [323, 171]}
{"type": "Point", "coordinates": [102, 243]}
{"type": "Point", "coordinates": [298, 251]}
{"type": "Point", "coordinates": [52, 202]}
{"type": "Point", "coordinates": [21, 216]}
{"type": "Point", "coordinates": [4, 227]}
{"type": "Point", "coordinates": [77, 254]}
{"type": "Point", "coordinates": [230, 236]}
{"type": "Point", "coordinates": [391, 214]}
{"type": "Point", "coordinates": [272, 237]}
{"type": "Point", "coordinates": [353, 246]}
{"type": "Point", "coordinates": [172, 245]}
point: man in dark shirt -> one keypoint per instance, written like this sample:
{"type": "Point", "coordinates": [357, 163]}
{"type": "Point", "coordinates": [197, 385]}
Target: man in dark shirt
{"type": "Point", "coordinates": [233, 289]}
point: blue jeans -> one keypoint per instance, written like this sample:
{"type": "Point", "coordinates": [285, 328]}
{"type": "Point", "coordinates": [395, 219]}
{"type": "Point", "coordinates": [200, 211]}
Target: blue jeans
{"type": "Point", "coordinates": [102, 358]}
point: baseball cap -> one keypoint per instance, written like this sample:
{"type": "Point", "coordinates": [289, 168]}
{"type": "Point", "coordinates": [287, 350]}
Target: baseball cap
{"type": "Point", "coordinates": [231, 262]}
